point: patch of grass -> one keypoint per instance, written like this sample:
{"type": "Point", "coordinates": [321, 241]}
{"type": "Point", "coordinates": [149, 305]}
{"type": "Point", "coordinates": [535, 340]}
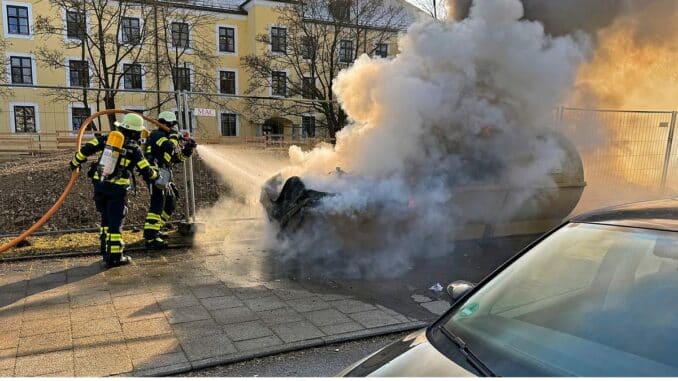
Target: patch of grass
{"type": "Point", "coordinates": [71, 242]}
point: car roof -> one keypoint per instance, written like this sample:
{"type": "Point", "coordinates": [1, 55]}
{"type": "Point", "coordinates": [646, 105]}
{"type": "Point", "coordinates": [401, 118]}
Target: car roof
{"type": "Point", "coordinates": [657, 214]}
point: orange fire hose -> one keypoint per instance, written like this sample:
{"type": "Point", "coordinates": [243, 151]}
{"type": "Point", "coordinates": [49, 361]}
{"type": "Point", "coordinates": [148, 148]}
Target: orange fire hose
{"type": "Point", "coordinates": [74, 176]}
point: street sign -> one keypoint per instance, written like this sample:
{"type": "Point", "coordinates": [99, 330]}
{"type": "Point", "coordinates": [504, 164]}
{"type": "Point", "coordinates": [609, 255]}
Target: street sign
{"type": "Point", "coordinates": [205, 112]}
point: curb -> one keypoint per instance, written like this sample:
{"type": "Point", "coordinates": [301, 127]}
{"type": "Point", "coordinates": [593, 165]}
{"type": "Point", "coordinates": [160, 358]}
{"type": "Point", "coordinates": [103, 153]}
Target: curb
{"type": "Point", "coordinates": [305, 344]}
{"type": "Point", "coordinates": [74, 254]}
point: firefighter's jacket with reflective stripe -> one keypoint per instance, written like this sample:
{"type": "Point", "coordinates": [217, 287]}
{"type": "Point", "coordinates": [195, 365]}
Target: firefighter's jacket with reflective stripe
{"type": "Point", "coordinates": [130, 157]}
{"type": "Point", "coordinates": [161, 149]}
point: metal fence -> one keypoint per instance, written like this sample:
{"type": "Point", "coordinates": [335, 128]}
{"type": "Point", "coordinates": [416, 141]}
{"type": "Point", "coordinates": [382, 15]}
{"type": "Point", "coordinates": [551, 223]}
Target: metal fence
{"type": "Point", "coordinates": [36, 119]}
{"type": "Point", "coordinates": [623, 146]}
{"type": "Point", "coordinates": [617, 146]}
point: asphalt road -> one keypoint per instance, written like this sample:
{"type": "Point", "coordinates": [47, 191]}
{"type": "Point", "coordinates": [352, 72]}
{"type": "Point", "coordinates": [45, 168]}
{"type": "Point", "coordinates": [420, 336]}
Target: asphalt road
{"type": "Point", "coordinates": [314, 362]}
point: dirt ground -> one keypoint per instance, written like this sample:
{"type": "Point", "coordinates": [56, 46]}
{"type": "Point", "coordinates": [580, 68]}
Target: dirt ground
{"type": "Point", "coordinates": [30, 185]}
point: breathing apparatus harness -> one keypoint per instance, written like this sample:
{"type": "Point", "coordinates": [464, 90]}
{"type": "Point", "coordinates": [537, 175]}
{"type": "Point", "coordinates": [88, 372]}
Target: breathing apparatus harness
{"type": "Point", "coordinates": [129, 133]}
{"type": "Point", "coordinates": [164, 181]}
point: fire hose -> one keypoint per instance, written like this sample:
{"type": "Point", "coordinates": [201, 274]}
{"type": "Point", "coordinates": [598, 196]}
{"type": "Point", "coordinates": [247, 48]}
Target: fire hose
{"type": "Point", "coordinates": [74, 176]}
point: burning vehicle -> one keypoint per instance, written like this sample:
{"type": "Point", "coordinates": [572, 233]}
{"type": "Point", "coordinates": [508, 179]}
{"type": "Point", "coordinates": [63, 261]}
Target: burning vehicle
{"type": "Point", "coordinates": [450, 141]}
{"type": "Point", "coordinates": [534, 208]}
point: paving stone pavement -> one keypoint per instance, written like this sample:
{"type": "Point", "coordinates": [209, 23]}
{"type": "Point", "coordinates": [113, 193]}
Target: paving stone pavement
{"type": "Point", "coordinates": [165, 314]}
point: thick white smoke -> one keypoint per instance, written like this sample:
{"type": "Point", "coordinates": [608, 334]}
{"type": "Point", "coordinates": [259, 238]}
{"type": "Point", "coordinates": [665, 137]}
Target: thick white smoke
{"type": "Point", "coordinates": [463, 104]}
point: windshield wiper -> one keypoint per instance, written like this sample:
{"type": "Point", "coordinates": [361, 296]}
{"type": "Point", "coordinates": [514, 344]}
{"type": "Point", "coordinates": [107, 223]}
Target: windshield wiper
{"type": "Point", "coordinates": [466, 352]}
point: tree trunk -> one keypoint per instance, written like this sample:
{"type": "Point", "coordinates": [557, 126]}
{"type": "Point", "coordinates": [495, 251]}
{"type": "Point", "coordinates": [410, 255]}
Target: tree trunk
{"type": "Point", "coordinates": [109, 103]}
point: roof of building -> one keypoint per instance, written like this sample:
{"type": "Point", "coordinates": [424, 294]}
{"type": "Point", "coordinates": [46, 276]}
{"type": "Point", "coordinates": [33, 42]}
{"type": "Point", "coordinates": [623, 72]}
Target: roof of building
{"type": "Point", "coordinates": [410, 13]}
{"type": "Point", "coordinates": [657, 214]}
{"type": "Point", "coordinates": [220, 6]}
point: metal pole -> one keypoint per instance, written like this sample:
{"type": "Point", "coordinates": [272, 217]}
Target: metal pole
{"type": "Point", "coordinates": [190, 160]}
{"type": "Point", "coordinates": [157, 56]}
{"type": "Point", "coordinates": [667, 155]}
{"type": "Point", "coordinates": [189, 122]}
{"type": "Point", "coordinates": [190, 174]}
{"type": "Point", "coordinates": [182, 120]}
{"type": "Point", "coordinates": [188, 211]}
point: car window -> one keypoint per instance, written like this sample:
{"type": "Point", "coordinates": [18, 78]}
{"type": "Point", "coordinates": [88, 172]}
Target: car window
{"type": "Point", "coordinates": [576, 267]}
{"type": "Point", "coordinates": [652, 265]}
{"type": "Point", "coordinates": [588, 300]}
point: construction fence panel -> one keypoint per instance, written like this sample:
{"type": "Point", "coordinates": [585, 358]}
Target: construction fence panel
{"type": "Point", "coordinates": [672, 166]}
{"type": "Point", "coordinates": [621, 147]}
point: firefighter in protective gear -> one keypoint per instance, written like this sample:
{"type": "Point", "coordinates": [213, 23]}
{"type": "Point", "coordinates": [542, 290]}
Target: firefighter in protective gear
{"type": "Point", "coordinates": [163, 149]}
{"type": "Point", "coordinates": [111, 175]}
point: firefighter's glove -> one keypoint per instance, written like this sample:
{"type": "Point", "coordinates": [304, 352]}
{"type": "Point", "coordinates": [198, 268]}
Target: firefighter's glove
{"type": "Point", "coordinates": [72, 166]}
{"type": "Point", "coordinates": [189, 147]}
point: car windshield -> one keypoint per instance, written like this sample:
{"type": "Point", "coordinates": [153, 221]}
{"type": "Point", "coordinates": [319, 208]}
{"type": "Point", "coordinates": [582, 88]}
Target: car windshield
{"type": "Point", "coordinates": [589, 300]}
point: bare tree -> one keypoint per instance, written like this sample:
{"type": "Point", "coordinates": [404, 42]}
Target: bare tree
{"type": "Point", "coordinates": [111, 38]}
{"type": "Point", "coordinates": [316, 40]}
{"type": "Point", "coordinates": [437, 9]}
{"type": "Point", "coordinates": [5, 91]}
{"type": "Point", "coordinates": [186, 56]}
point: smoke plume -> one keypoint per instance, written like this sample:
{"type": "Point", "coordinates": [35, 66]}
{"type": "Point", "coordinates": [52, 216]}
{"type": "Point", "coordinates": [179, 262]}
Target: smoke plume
{"type": "Point", "coordinates": [636, 46]}
{"type": "Point", "coordinates": [463, 109]}
{"type": "Point", "coordinates": [631, 67]}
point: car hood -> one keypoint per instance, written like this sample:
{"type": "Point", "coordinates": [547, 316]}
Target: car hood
{"type": "Point", "coordinates": [412, 356]}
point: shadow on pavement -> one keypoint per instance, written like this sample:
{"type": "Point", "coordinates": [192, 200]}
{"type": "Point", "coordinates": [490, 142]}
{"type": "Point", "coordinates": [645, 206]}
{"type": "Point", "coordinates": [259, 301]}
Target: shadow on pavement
{"type": "Point", "coordinates": [10, 293]}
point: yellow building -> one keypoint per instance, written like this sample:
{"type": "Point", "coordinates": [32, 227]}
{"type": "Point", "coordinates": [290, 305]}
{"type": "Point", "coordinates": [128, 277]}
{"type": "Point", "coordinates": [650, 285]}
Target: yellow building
{"type": "Point", "coordinates": [194, 45]}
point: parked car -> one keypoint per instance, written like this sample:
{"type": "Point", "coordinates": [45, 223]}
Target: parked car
{"type": "Point", "coordinates": [597, 296]}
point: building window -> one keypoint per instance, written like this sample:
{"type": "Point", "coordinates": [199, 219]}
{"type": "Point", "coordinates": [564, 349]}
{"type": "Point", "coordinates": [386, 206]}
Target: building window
{"type": "Point", "coordinates": [279, 83]}
{"type": "Point", "coordinates": [22, 70]}
{"type": "Point", "coordinates": [17, 20]}
{"type": "Point", "coordinates": [182, 78]}
{"type": "Point", "coordinates": [79, 73]}
{"type": "Point", "coordinates": [346, 51]}
{"type": "Point", "coordinates": [381, 50]}
{"type": "Point", "coordinates": [131, 30]}
{"type": "Point", "coordinates": [226, 40]}
{"type": "Point", "coordinates": [229, 124]}
{"type": "Point", "coordinates": [227, 82]}
{"type": "Point", "coordinates": [279, 39]}
{"type": "Point", "coordinates": [75, 24]}
{"type": "Point", "coordinates": [78, 117]}
{"type": "Point", "coordinates": [308, 126]}
{"type": "Point", "coordinates": [132, 76]}
{"type": "Point", "coordinates": [180, 35]}
{"type": "Point", "coordinates": [307, 47]}
{"type": "Point", "coordinates": [24, 119]}
{"type": "Point", "coordinates": [308, 87]}
{"type": "Point", "coordinates": [340, 9]}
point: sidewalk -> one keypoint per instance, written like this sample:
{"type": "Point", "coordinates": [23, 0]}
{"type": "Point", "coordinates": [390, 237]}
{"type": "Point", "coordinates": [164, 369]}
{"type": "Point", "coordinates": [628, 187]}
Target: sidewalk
{"type": "Point", "coordinates": [173, 313]}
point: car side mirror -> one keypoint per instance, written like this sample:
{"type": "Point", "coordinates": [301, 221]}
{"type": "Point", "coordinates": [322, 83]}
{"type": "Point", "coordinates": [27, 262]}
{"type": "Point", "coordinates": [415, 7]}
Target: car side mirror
{"type": "Point", "coordinates": [459, 288]}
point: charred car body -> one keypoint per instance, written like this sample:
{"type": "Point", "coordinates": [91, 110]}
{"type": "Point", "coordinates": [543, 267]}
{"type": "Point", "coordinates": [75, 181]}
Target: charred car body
{"type": "Point", "coordinates": [294, 207]}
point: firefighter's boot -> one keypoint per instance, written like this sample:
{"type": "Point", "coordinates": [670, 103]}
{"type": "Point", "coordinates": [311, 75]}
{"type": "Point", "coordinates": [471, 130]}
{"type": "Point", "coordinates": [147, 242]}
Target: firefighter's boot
{"type": "Point", "coordinates": [152, 226]}
{"type": "Point", "coordinates": [103, 232]}
{"type": "Point", "coordinates": [114, 249]}
{"type": "Point", "coordinates": [156, 244]}
{"type": "Point", "coordinates": [123, 260]}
